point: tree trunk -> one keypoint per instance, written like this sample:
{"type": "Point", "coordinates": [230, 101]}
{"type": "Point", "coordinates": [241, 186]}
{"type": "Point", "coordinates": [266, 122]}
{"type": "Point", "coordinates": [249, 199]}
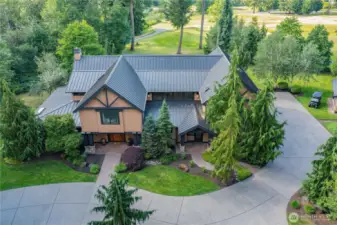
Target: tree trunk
{"type": "Point", "coordinates": [132, 47]}
{"type": "Point", "coordinates": [202, 23]}
{"type": "Point", "coordinates": [181, 39]}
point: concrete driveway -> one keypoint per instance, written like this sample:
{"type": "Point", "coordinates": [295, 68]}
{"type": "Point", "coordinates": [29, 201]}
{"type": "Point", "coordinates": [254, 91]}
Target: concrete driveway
{"type": "Point", "coordinates": [260, 200]}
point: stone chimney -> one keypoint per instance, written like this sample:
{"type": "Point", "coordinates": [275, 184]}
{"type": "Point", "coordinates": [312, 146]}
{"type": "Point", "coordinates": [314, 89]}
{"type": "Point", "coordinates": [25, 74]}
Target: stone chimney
{"type": "Point", "coordinates": [77, 54]}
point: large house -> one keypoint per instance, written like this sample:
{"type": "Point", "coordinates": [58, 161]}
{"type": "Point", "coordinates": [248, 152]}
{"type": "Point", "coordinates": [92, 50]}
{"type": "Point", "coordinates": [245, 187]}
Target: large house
{"type": "Point", "coordinates": [110, 96]}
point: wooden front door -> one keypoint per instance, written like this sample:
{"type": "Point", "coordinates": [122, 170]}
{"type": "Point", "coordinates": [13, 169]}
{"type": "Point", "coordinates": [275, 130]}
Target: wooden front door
{"type": "Point", "coordinates": [117, 137]}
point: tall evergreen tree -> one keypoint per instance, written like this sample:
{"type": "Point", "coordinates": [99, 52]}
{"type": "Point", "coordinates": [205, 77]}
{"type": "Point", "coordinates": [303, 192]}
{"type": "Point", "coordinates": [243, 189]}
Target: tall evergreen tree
{"type": "Point", "coordinates": [179, 14]}
{"type": "Point", "coordinates": [164, 130]}
{"type": "Point", "coordinates": [117, 201]}
{"type": "Point", "coordinates": [218, 104]}
{"type": "Point", "coordinates": [149, 137]}
{"type": "Point", "coordinates": [21, 131]}
{"type": "Point", "coordinates": [225, 27]}
{"type": "Point", "coordinates": [225, 144]}
{"type": "Point", "coordinates": [262, 134]}
{"type": "Point", "coordinates": [323, 170]}
{"type": "Point", "coordinates": [320, 37]}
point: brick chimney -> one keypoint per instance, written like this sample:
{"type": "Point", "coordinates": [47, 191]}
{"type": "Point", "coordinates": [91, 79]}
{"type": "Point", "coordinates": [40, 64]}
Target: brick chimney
{"type": "Point", "coordinates": [77, 54]}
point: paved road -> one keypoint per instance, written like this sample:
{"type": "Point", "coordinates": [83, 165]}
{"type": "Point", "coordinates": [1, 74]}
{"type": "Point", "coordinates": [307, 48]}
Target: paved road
{"type": "Point", "coordinates": [156, 32]}
{"type": "Point", "coordinates": [260, 200]}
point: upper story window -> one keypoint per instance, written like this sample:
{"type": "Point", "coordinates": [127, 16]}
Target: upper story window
{"type": "Point", "coordinates": [109, 116]}
{"type": "Point", "coordinates": [172, 96]}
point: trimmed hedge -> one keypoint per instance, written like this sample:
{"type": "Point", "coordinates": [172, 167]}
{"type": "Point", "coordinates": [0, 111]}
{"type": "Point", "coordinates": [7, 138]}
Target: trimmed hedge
{"type": "Point", "coordinates": [283, 85]}
{"type": "Point", "coordinates": [295, 90]}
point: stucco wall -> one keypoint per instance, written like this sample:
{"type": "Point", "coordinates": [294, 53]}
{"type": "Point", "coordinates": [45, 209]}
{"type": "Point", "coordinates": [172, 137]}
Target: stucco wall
{"type": "Point", "coordinates": [77, 97]}
{"type": "Point", "coordinates": [130, 119]}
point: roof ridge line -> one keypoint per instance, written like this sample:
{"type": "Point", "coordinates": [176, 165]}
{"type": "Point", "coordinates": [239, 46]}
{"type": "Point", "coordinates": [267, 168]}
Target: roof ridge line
{"type": "Point", "coordinates": [168, 55]}
{"type": "Point", "coordinates": [113, 69]}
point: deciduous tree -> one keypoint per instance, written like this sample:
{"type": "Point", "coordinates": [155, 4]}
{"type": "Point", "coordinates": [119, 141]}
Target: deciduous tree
{"type": "Point", "coordinates": [179, 14]}
{"type": "Point", "coordinates": [215, 9]}
{"type": "Point", "coordinates": [51, 74]}
{"type": "Point", "coordinates": [117, 201]}
{"type": "Point", "coordinates": [78, 34]}
{"type": "Point", "coordinates": [291, 26]}
{"type": "Point", "coordinates": [320, 37]}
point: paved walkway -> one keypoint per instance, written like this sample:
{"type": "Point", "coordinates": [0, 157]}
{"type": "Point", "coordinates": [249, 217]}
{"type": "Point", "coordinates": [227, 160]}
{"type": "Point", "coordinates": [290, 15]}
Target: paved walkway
{"type": "Point", "coordinates": [156, 32]}
{"type": "Point", "coordinates": [196, 151]}
{"type": "Point", "coordinates": [259, 200]}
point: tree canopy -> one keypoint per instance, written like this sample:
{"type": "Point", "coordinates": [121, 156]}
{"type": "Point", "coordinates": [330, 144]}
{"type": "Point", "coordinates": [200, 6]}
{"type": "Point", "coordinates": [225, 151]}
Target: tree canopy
{"type": "Point", "coordinates": [78, 34]}
{"type": "Point", "coordinates": [225, 27]}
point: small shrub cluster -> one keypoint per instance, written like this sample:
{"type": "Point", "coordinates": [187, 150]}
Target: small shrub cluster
{"type": "Point", "coordinates": [167, 159]}
{"type": "Point", "coordinates": [94, 169]}
{"type": "Point", "coordinates": [295, 204]}
{"type": "Point", "coordinates": [183, 155]}
{"type": "Point", "coordinates": [120, 168]}
{"type": "Point", "coordinates": [309, 209]}
{"type": "Point", "coordinates": [204, 169]}
{"type": "Point", "coordinates": [242, 173]}
{"type": "Point", "coordinates": [192, 163]}
{"type": "Point", "coordinates": [295, 90]}
{"type": "Point", "coordinates": [282, 85]}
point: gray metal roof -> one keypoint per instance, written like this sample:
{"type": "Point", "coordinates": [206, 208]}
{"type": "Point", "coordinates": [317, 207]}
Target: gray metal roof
{"type": "Point", "coordinates": [172, 62]}
{"type": "Point", "coordinates": [172, 81]}
{"type": "Point", "coordinates": [87, 71]}
{"type": "Point", "coordinates": [334, 87]}
{"type": "Point", "coordinates": [121, 79]}
{"type": "Point", "coordinates": [185, 115]}
{"type": "Point", "coordinates": [57, 98]}
{"type": "Point", "coordinates": [67, 108]}
{"type": "Point", "coordinates": [216, 75]}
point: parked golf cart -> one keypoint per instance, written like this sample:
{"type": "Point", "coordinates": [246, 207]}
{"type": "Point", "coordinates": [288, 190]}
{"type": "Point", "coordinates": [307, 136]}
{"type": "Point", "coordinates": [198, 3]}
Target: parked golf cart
{"type": "Point", "coordinates": [315, 99]}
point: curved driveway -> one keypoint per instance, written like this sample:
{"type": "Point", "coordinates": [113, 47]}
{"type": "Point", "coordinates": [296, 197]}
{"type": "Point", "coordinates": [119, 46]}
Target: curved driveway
{"type": "Point", "coordinates": [260, 200]}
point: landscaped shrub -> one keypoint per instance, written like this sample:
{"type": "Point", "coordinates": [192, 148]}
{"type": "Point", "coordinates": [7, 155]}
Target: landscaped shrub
{"type": "Point", "coordinates": [242, 173]}
{"type": "Point", "coordinates": [282, 85]}
{"type": "Point", "coordinates": [77, 161]}
{"type": "Point", "coordinates": [183, 155]}
{"type": "Point", "coordinates": [167, 159]}
{"type": "Point", "coordinates": [204, 169]}
{"type": "Point", "coordinates": [57, 127]}
{"type": "Point", "coordinates": [147, 156]}
{"type": "Point", "coordinates": [120, 168]}
{"type": "Point", "coordinates": [192, 163]}
{"type": "Point", "coordinates": [94, 169]}
{"type": "Point", "coordinates": [309, 209]}
{"type": "Point", "coordinates": [295, 90]}
{"type": "Point", "coordinates": [134, 158]}
{"type": "Point", "coordinates": [72, 143]}
{"type": "Point", "coordinates": [295, 204]}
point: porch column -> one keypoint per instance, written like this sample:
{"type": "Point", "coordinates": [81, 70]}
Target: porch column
{"type": "Point", "coordinates": [182, 139]}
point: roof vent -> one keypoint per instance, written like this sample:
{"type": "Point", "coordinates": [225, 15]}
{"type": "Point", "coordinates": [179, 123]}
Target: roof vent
{"type": "Point", "coordinates": [207, 88]}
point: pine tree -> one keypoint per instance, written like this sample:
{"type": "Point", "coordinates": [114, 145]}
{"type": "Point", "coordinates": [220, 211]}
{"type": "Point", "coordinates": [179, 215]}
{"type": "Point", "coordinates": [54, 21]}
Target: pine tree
{"type": "Point", "coordinates": [21, 131]}
{"type": "Point", "coordinates": [164, 130]}
{"type": "Point", "coordinates": [262, 134]}
{"type": "Point", "coordinates": [149, 137]}
{"type": "Point", "coordinates": [117, 201]}
{"type": "Point", "coordinates": [218, 105]}
{"type": "Point", "coordinates": [225, 27]}
{"type": "Point", "coordinates": [323, 169]}
{"type": "Point", "coordinates": [225, 144]}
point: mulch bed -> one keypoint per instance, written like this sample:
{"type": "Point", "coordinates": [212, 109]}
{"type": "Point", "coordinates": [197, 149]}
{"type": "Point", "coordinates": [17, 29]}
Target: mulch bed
{"type": "Point", "coordinates": [319, 218]}
{"type": "Point", "coordinates": [196, 170]}
{"type": "Point", "coordinates": [57, 156]}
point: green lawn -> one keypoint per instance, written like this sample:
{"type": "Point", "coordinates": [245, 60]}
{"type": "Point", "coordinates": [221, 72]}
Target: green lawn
{"type": "Point", "coordinates": [321, 82]}
{"type": "Point", "coordinates": [167, 43]}
{"type": "Point", "coordinates": [33, 100]}
{"type": "Point", "coordinates": [46, 172]}
{"type": "Point", "coordinates": [330, 126]}
{"type": "Point", "coordinates": [170, 181]}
